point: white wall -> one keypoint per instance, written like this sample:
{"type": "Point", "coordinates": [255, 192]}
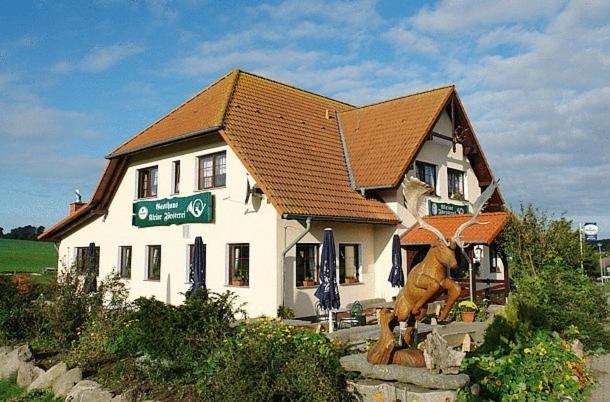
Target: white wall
{"type": "Point", "coordinates": [234, 223]}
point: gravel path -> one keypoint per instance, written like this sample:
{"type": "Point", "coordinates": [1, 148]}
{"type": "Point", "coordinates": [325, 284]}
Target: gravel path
{"type": "Point", "coordinates": [601, 367]}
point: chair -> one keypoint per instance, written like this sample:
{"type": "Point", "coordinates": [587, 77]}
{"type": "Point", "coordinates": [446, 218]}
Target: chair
{"type": "Point", "coordinates": [356, 318]}
{"type": "Point", "coordinates": [322, 314]}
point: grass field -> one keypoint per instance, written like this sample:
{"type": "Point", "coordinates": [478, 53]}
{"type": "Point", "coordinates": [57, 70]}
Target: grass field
{"type": "Point", "coordinates": [26, 255]}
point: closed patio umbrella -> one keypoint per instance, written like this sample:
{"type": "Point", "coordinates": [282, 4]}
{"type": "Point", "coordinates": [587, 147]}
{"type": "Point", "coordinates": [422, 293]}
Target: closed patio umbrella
{"type": "Point", "coordinates": [91, 274]}
{"type": "Point", "coordinates": [397, 276]}
{"type": "Point", "coordinates": [328, 292]}
{"type": "Point", "coordinates": [197, 273]}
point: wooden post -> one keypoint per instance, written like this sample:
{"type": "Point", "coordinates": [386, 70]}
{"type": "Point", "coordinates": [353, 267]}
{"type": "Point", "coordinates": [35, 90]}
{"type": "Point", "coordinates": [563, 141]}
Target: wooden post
{"type": "Point", "coordinates": [506, 278]}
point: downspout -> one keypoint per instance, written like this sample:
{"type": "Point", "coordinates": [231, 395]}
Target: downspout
{"type": "Point", "coordinates": [286, 250]}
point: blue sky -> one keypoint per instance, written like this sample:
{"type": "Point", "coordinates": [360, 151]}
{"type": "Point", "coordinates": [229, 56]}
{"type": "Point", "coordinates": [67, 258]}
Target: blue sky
{"type": "Point", "coordinates": [78, 78]}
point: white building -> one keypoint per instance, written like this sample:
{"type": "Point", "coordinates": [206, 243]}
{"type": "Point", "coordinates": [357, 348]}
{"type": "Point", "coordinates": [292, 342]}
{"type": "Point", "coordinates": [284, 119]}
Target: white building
{"type": "Point", "coordinates": [305, 158]}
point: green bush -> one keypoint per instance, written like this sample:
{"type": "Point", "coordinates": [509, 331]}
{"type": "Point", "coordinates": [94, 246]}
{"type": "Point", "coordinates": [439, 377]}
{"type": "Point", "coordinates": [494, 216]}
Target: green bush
{"type": "Point", "coordinates": [544, 261]}
{"type": "Point", "coordinates": [538, 366]}
{"type": "Point", "coordinates": [267, 360]}
{"type": "Point", "coordinates": [172, 339]}
{"type": "Point", "coordinates": [20, 317]}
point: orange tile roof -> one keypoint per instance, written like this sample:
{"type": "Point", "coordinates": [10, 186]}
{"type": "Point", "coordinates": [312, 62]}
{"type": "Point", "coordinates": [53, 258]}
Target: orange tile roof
{"type": "Point", "coordinates": [383, 138]}
{"type": "Point", "coordinates": [203, 111]}
{"type": "Point", "coordinates": [493, 224]}
{"type": "Point", "coordinates": [283, 137]}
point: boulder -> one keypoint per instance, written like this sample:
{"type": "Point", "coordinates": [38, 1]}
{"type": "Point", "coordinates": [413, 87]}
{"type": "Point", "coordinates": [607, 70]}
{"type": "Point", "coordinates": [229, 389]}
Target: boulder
{"type": "Point", "coordinates": [375, 390]}
{"type": "Point", "coordinates": [410, 375]}
{"type": "Point", "coordinates": [46, 380]}
{"type": "Point", "coordinates": [578, 348]}
{"type": "Point", "coordinates": [5, 350]}
{"type": "Point", "coordinates": [439, 357]}
{"type": "Point", "coordinates": [88, 391]}
{"type": "Point", "coordinates": [27, 373]}
{"type": "Point", "coordinates": [9, 364]}
{"type": "Point", "coordinates": [63, 385]}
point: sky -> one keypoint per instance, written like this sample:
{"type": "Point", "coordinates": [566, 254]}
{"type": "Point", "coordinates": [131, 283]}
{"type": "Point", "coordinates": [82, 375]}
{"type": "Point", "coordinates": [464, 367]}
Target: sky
{"type": "Point", "coordinates": [79, 78]}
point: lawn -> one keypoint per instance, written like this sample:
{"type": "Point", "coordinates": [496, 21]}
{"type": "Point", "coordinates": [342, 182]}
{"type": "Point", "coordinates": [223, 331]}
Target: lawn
{"type": "Point", "coordinates": [26, 255]}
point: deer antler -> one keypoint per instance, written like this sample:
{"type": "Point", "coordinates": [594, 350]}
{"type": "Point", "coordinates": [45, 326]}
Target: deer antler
{"type": "Point", "coordinates": [477, 207]}
{"type": "Point", "coordinates": [413, 191]}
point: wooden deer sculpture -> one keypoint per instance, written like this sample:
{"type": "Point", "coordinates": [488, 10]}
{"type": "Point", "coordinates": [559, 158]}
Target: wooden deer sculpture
{"type": "Point", "coordinates": [429, 278]}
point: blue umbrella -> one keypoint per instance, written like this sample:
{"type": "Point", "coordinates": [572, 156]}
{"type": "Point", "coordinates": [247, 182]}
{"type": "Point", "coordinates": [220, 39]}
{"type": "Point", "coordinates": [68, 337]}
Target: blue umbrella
{"type": "Point", "coordinates": [397, 277]}
{"type": "Point", "coordinates": [91, 274]}
{"type": "Point", "coordinates": [328, 292]}
{"type": "Point", "coordinates": [197, 272]}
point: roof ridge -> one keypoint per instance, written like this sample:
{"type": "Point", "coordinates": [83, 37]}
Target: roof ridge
{"type": "Point", "coordinates": [298, 89]}
{"type": "Point", "coordinates": [178, 107]}
{"type": "Point", "coordinates": [401, 97]}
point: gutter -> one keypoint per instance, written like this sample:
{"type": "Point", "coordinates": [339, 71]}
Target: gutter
{"type": "Point", "coordinates": [164, 142]}
{"type": "Point", "coordinates": [286, 250]}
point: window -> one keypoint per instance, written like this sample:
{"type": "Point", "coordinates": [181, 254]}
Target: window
{"type": "Point", "coordinates": [494, 258]}
{"type": "Point", "coordinates": [455, 183]}
{"type": "Point", "coordinates": [426, 172]}
{"type": "Point", "coordinates": [307, 264]}
{"type": "Point", "coordinates": [154, 262]}
{"type": "Point", "coordinates": [147, 182]}
{"type": "Point", "coordinates": [82, 260]}
{"type": "Point", "coordinates": [125, 262]}
{"type": "Point", "coordinates": [349, 263]}
{"type": "Point", "coordinates": [191, 247]}
{"type": "Point", "coordinates": [212, 170]}
{"type": "Point", "coordinates": [239, 264]}
{"type": "Point", "coordinates": [176, 177]}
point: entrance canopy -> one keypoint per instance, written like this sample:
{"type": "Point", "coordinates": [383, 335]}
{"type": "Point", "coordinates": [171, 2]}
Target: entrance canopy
{"type": "Point", "coordinates": [489, 227]}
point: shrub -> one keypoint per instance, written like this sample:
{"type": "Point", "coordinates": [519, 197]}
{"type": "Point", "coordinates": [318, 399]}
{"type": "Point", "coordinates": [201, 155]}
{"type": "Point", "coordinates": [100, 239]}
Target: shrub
{"type": "Point", "coordinates": [20, 318]}
{"type": "Point", "coordinates": [174, 338]}
{"type": "Point", "coordinates": [267, 360]}
{"type": "Point", "coordinates": [538, 366]}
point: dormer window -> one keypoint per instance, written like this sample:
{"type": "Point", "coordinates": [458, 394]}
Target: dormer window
{"type": "Point", "coordinates": [147, 182]}
{"type": "Point", "coordinates": [426, 172]}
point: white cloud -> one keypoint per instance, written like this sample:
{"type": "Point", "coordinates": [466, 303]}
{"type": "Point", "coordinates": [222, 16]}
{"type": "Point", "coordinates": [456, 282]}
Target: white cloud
{"type": "Point", "coordinates": [453, 15]}
{"type": "Point", "coordinates": [100, 58]}
{"type": "Point", "coordinates": [410, 41]}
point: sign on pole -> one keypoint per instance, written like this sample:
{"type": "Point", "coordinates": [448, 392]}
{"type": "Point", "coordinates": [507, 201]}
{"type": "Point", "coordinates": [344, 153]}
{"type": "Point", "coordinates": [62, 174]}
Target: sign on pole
{"type": "Point", "coordinates": [197, 208]}
{"type": "Point", "coordinates": [590, 230]}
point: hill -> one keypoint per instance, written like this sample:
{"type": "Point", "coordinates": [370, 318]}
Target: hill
{"type": "Point", "coordinates": [26, 255]}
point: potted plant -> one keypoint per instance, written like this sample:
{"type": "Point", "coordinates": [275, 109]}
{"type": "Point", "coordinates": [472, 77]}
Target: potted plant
{"type": "Point", "coordinates": [468, 310]}
{"type": "Point", "coordinates": [309, 281]}
{"type": "Point", "coordinates": [351, 279]}
{"type": "Point", "coordinates": [458, 197]}
{"type": "Point", "coordinates": [241, 276]}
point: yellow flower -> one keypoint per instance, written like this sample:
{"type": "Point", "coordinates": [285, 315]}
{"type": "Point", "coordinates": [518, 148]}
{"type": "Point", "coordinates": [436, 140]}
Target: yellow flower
{"type": "Point", "coordinates": [485, 380]}
{"type": "Point", "coordinates": [527, 351]}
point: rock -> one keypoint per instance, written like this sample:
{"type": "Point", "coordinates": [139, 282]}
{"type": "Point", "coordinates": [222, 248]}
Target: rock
{"type": "Point", "coordinates": [27, 373]}
{"type": "Point", "coordinates": [5, 350]}
{"type": "Point", "coordinates": [578, 348]}
{"type": "Point", "coordinates": [375, 390]}
{"type": "Point", "coordinates": [9, 364]}
{"type": "Point", "coordinates": [411, 375]}
{"type": "Point", "coordinates": [63, 385]}
{"type": "Point", "coordinates": [46, 380]}
{"type": "Point", "coordinates": [475, 389]}
{"type": "Point", "coordinates": [88, 391]}
{"type": "Point", "coordinates": [439, 357]}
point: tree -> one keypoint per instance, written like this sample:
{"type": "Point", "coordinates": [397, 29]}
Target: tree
{"type": "Point", "coordinates": [1, 232]}
{"type": "Point", "coordinates": [28, 232]}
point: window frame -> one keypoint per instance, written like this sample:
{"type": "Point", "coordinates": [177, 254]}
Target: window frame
{"type": "Point", "coordinates": [422, 164]}
{"type": "Point", "coordinates": [176, 171]}
{"type": "Point", "coordinates": [149, 262]}
{"type": "Point", "coordinates": [341, 265]}
{"type": "Point", "coordinates": [231, 277]}
{"type": "Point", "coordinates": [121, 260]}
{"type": "Point", "coordinates": [460, 173]}
{"type": "Point", "coordinates": [85, 250]}
{"type": "Point", "coordinates": [316, 276]}
{"type": "Point", "coordinates": [142, 193]}
{"type": "Point", "coordinates": [214, 176]}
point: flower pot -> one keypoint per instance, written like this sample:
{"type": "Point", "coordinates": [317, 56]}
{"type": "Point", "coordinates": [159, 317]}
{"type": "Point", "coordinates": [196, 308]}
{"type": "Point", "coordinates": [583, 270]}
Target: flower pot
{"type": "Point", "coordinates": [309, 282]}
{"type": "Point", "coordinates": [237, 282]}
{"type": "Point", "coordinates": [351, 280]}
{"type": "Point", "coordinates": [468, 316]}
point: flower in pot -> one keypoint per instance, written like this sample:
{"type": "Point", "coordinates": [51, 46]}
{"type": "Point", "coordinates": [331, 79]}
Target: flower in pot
{"type": "Point", "coordinates": [468, 310]}
{"type": "Point", "coordinates": [351, 279]}
{"type": "Point", "coordinates": [309, 281]}
{"type": "Point", "coordinates": [240, 278]}
{"type": "Point", "coordinates": [458, 197]}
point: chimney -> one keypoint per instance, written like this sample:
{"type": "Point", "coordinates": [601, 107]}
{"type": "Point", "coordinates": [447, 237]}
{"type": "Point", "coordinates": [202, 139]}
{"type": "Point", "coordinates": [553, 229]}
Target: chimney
{"type": "Point", "coordinates": [75, 206]}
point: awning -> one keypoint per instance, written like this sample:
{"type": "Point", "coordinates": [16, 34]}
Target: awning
{"type": "Point", "coordinates": [492, 225]}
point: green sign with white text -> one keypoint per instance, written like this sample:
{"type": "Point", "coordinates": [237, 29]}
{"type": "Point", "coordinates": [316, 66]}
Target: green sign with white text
{"type": "Point", "coordinates": [197, 208]}
{"type": "Point", "coordinates": [443, 208]}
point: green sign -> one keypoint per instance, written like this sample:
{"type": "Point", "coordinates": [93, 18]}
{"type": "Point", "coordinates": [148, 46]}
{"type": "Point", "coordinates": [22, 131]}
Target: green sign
{"type": "Point", "coordinates": [443, 208]}
{"type": "Point", "coordinates": [197, 208]}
